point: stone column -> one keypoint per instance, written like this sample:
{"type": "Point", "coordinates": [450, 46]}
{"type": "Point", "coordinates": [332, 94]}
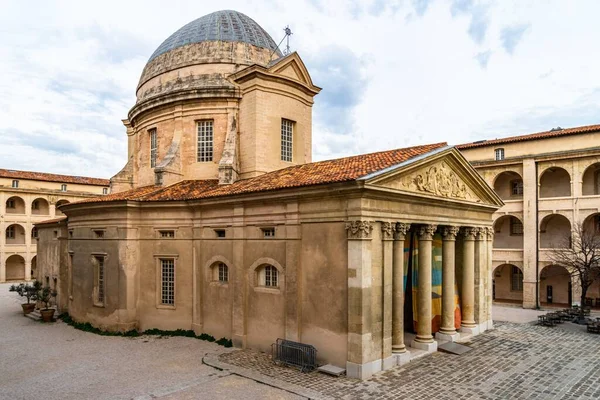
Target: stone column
{"type": "Point", "coordinates": [424, 339]}
{"type": "Point", "coordinates": [398, 346]}
{"type": "Point", "coordinates": [490, 286]}
{"type": "Point", "coordinates": [361, 362]}
{"type": "Point", "coordinates": [480, 279]}
{"type": "Point", "coordinates": [448, 330]}
{"type": "Point", "coordinates": [468, 283]}
{"type": "Point", "coordinates": [387, 237]}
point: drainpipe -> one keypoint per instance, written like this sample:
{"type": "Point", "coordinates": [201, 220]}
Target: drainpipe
{"type": "Point", "coordinates": [537, 241]}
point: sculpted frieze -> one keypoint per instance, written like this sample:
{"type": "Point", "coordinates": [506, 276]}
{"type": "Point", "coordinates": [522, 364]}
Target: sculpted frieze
{"type": "Point", "coordinates": [439, 180]}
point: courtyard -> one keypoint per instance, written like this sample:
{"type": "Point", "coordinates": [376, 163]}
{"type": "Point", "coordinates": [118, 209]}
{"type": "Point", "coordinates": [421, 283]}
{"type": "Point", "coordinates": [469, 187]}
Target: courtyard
{"type": "Point", "coordinates": [515, 360]}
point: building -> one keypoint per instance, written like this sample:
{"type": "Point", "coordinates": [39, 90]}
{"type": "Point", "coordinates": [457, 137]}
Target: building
{"type": "Point", "coordinates": [549, 182]}
{"type": "Point", "coordinates": [221, 223]}
{"type": "Point", "coordinates": [30, 197]}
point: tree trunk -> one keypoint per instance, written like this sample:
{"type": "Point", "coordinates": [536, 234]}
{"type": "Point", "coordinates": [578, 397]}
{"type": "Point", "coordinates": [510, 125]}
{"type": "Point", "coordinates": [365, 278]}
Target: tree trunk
{"type": "Point", "coordinates": [584, 289]}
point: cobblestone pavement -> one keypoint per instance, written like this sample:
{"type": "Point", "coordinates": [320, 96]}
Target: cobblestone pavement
{"type": "Point", "coordinates": [56, 361]}
{"type": "Point", "coordinates": [513, 361]}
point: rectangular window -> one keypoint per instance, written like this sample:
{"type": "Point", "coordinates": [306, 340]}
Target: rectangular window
{"type": "Point", "coordinates": [99, 280]}
{"type": "Point", "coordinates": [517, 187]}
{"type": "Point", "coordinates": [167, 284]}
{"type": "Point", "coordinates": [205, 141]}
{"type": "Point", "coordinates": [63, 188]}
{"type": "Point", "coordinates": [153, 147]}
{"type": "Point", "coordinates": [499, 154]}
{"type": "Point", "coordinates": [270, 276]}
{"type": "Point", "coordinates": [220, 233]}
{"type": "Point", "coordinates": [516, 227]}
{"type": "Point", "coordinates": [10, 204]}
{"type": "Point", "coordinates": [10, 232]}
{"type": "Point", "coordinates": [268, 232]}
{"type": "Point", "coordinates": [34, 233]}
{"type": "Point", "coordinates": [516, 279]}
{"type": "Point", "coordinates": [15, 183]}
{"type": "Point", "coordinates": [99, 233]}
{"type": "Point", "coordinates": [167, 234]}
{"type": "Point", "coordinates": [104, 190]}
{"type": "Point", "coordinates": [223, 273]}
{"type": "Point", "coordinates": [287, 134]}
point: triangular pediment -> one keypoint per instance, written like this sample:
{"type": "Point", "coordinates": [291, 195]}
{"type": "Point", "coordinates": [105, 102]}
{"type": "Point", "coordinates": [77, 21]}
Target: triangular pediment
{"type": "Point", "coordinates": [443, 174]}
{"type": "Point", "coordinates": [293, 67]}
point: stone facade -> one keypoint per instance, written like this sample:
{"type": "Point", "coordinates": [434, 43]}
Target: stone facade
{"type": "Point", "coordinates": [549, 183]}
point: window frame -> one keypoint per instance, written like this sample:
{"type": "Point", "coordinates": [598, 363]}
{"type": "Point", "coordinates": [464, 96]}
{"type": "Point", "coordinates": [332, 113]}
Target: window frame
{"type": "Point", "coordinates": [166, 233]}
{"type": "Point", "coordinates": [99, 233]}
{"type": "Point", "coordinates": [10, 203]}
{"type": "Point", "coordinates": [519, 188]}
{"type": "Point", "coordinates": [514, 222]}
{"type": "Point", "coordinates": [99, 289]}
{"type": "Point", "coordinates": [15, 184]}
{"type": "Point", "coordinates": [287, 140]}
{"type": "Point", "coordinates": [268, 232]}
{"type": "Point", "coordinates": [153, 147]}
{"type": "Point", "coordinates": [34, 233]}
{"type": "Point", "coordinates": [63, 187]}
{"type": "Point", "coordinates": [220, 233]}
{"type": "Point", "coordinates": [160, 258]}
{"type": "Point", "coordinates": [10, 232]}
{"type": "Point", "coordinates": [205, 140]}
{"type": "Point", "coordinates": [516, 285]}
{"type": "Point", "coordinates": [499, 154]}
{"type": "Point", "coordinates": [104, 190]}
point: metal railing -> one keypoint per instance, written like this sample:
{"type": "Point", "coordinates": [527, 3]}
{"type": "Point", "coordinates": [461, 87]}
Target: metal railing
{"type": "Point", "coordinates": [303, 356]}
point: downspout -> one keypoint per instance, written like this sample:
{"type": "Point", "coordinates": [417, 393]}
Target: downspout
{"type": "Point", "coordinates": [537, 241]}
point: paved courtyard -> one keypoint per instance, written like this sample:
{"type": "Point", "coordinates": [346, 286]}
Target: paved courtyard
{"type": "Point", "coordinates": [516, 360]}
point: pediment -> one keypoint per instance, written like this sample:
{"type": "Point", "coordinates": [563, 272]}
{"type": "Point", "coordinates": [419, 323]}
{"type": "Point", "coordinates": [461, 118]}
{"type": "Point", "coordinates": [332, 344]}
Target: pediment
{"type": "Point", "coordinates": [446, 175]}
{"type": "Point", "coordinates": [291, 66]}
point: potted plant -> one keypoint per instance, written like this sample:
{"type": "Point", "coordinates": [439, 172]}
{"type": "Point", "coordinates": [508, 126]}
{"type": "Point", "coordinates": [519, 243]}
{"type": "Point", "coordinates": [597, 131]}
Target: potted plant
{"type": "Point", "coordinates": [44, 295]}
{"type": "Point", "coordinates": [28, 291]}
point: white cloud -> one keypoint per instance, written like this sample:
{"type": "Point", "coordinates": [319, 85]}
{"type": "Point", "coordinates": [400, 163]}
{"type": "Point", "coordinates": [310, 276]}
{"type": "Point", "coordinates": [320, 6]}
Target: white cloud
{"type": "Point", "coordinates": [394, 73]}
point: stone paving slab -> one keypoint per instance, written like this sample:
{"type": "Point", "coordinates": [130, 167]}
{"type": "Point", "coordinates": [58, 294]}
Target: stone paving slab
{"type": "Point", "coordinates": [522, 361]}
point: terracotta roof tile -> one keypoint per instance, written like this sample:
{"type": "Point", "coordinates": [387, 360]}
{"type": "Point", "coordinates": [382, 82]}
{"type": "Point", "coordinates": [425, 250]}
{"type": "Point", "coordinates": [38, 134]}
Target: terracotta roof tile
{"type": "Point", "coordinates": [317, 173]}
{"type": "Point", "coordinates": [42, 176]}
{"type": "Point", "coordinates": [532, 136]}
{"type": "Point", "coordinates": [50, 221]}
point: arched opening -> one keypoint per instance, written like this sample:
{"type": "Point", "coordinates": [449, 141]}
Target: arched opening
{"type": "Point", "coordinates": [219, 272]}
{"type": "Point", "coordinates": [267, 276]}
{"type": "Point", "coordinates": [592, 223]}
{"type": "Point", "coordinates": [15, 234]}
{"type": "Point", "coordinates": [40, 207]}
{"type": "Point", "coordinates": [555, 182]}
{"type": "Point", "coordinates": [15, 205]}
{"type": "Point", "coordinates": [591, 180]}
{"type": "Point", "coordinates": [555, 232]}
{"type": "Point", "coordinates": [15, 268]}
{"type": "Point", "coordinates": [555, 286]}
{"type": "Point", "coordinates": [508, 284]}
{"type": "Point", "coordinates": [33, 267]}
{"type": "Point", "coordinates": [509, 185]}
{"type": "Point", "coordinates": [508, 233]}
{"type": "Point", "coordinates": [58, 204]}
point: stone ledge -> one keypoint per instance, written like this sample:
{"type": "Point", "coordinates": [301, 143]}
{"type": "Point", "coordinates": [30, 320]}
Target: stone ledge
{"type": "Point", "coordinates": [212, 361]}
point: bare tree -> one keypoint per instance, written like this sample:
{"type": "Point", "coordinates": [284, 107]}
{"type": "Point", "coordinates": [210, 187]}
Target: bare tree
{"type": "Point", "coordinates": [580, 255]}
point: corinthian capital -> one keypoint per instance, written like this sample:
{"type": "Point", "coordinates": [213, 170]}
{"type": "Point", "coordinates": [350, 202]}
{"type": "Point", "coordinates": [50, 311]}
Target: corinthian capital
{"type": "Point", "coordinates": [450, 232]}
{"type": "Point", "coordinates": [400, 230]}
{"type": "Point", "coordinates": [489, 232]}
{"type": "Point", "coordinates": [469, 232]}
{"type": "Point", "coordinates": [359, 229]}
{"type": "Point", "coordinates": [387, 230]}
{"type": "Point", "coordinates": [426, 232]}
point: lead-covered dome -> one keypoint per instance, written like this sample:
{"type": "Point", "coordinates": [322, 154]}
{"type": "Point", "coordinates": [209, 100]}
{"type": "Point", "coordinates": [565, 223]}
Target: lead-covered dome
{"type": "Point", "coordinates": [226, 25]}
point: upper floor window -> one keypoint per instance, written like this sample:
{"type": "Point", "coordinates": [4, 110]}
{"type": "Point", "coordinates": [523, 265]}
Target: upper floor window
{"type": "Point", "coordinates": [499, 154]}
{"type": "Point", "coordinates": [167, 234]}
{"type": "Point", "coordinates": [516, 227]}
{"type": "Point", "coordinates": [99, 233]}
{"type": "Point", "coordinates": [287, 134]}
{"type": "Point", "coordinates": [10, 203]}
{"type": "Point", "coordinates": [205, 141]}
{"type": "Point", "coordinates": [34, 233]}
{"type": "Point", "coordinates": [220, 272]}
{"type": "Point", "coordinates": [167, 281]}
{"type": "Point", "coordinates": [220, 233]}
{"type": "Point", "coordinates": [104, 190]}
{"type": "Point", "coordinates": [268, 276]}
{"type": "Point", "coordinates": [63, 188]}
{"type": "Point", "coordinates": [268, 232]}
{"type": "Point", "coordinates": [153, 147]}
{"type": "Point", "coordinates": [35, 205]}
{"type": "Point", "coordinates": [15, 183]}
{"type": "Point", "coordinates": [10, 232]}
{"type": "Point", "coordinates": [517, 187]}
{"type": "Point", "coordinates": [99, 281]}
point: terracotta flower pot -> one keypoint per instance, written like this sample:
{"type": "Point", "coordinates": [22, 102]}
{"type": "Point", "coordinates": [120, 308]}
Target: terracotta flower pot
{"type": "Point", "coordinates": [28, 307]}
{"type": "Point", "coordinates": [47, 315]}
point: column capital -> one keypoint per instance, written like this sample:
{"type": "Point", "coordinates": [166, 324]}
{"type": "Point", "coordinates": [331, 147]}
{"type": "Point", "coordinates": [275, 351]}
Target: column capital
{"type": "Point", "coordinates": [480, 233]}
{"type": "Point", "coordinates": [489, 231]}
{"type": "Point", "coordinates": [387, 230]}
{"type": "Point", "coordinates": [426, 232]}
{"type": "Point", "coordinates": [400, 230]}
{"type": "Point", "coordinates": [469, 232]}
{"type": "Point", "coordinates": [450, 232]}
{"type": "Point", "coordinates": [359, 229]}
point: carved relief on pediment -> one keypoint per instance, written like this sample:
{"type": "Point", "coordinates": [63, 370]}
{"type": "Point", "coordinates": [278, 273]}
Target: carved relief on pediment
{"type": "Point", "coordinates": [439, 180]}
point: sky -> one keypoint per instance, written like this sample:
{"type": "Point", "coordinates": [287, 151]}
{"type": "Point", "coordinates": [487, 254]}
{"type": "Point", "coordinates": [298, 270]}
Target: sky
{"type": "Point", "coordinates": [394, 73]}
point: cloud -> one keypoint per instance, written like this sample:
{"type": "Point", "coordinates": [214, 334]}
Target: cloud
{"type": "Point", "coordinates": [483, 58]}
{"type": "Point", "coordinates": [460, 7]}
{"type": "Point", "coordinates": [421, 6]}
{"type": "Point", "coordinates": [377, 7]}
{"type": "Point", "coordinates": [512, 35]}
{"type": "Point", "coordinates": [479, 24]}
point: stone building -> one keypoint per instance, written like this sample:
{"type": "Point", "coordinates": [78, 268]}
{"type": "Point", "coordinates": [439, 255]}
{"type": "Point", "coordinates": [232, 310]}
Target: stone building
{"type": "Point", "coordinates": [221, 223]}
{"type": "Point", "coordinates": [549, 182]}
{"type": "Point", "coordinates": [30, 197]}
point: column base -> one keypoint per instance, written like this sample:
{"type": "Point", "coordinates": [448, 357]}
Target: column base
{"type": "Point", "coordinates": [402, 358]}
{"type": "Point", "coordinates": [474, 330]}
{"type": "Point", "coordinates": [447, 337]}
{"type": "Point", "coordinates": [428, 347]}
{"type": "Point", "coordinates": [362, 371]}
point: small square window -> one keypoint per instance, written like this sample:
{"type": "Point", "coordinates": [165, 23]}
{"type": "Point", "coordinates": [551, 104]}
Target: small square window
{"type": "Point", "coordinates": [167, 234]}
{"type": "Point", "coordinates": [268, 232]}
{"type": "Point", "coordinates": [99, 233]}
{"type": "Point", "coordinates": [63, 188]}
{"type": "Point", "coordinates": [15, 183]}
{"type": "Point", "coordinates": [499, 154]}
{"type": "Point", "coordinates": [104, 190]}
{"type": "Point", "coordinates": [220, 233]}
{"type": "Point", "coordinates": [55, 234]}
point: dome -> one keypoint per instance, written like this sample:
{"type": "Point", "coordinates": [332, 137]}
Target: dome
{"type": "Point", "coordinates": [226, 26]}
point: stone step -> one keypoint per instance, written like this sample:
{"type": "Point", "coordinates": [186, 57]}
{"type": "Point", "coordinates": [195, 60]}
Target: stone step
{"type": "Point", "coordinates": [34, 315]}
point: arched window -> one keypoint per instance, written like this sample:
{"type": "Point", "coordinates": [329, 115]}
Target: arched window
{"type": "Point", "coordinates": [220, 272]}
{"type": "Point", "coordinates": [268, 276]}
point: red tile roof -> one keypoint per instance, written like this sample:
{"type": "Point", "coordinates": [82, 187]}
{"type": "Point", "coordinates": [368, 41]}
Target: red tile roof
{"type": "Point", "coordinates": [50, 221]}
{"type": "Point", "coordinates": [42, 176]}
{"type": "Point", "coordinates": [532, 136]}
{"type": "Point", "coordinates": [317, 173]}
